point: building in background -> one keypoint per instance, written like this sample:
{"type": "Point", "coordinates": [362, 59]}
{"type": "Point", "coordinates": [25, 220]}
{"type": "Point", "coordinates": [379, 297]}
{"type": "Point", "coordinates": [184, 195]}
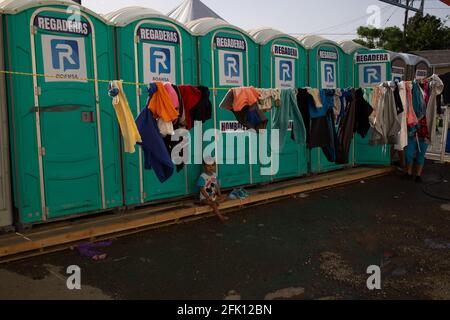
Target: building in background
{"type": "Point", "coordinates": [439, 59]}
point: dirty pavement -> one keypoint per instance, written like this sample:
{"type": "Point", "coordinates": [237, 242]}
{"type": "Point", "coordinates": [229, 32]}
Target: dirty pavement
{"type": "Point", "coordinates": [313, 246]}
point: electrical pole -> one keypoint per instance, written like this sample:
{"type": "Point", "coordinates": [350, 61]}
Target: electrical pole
{"type": "Point", "coordinates": [405, 24]}
{"type": "Point", "coordinates": [422, 7]}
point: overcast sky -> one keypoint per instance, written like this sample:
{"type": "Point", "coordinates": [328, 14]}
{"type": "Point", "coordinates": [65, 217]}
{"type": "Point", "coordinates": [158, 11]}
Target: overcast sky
{"type": "Point", "coordinates": [334, 19]}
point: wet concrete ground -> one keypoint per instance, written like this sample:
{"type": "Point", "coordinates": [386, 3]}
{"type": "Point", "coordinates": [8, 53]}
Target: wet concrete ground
{"type": "Point", "coordinates": [317, 246]}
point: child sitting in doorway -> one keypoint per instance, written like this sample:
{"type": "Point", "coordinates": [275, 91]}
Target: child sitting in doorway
{"type": "Point", "coordinates": [209, 184]}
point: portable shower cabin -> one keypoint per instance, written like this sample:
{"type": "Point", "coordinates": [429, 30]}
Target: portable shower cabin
{"type": "Point", "coordinates": [152, 47]}
{"type": "Point", "coordinates": [399, 63]}
{"type": "Point", "coordinates": [409, 67]}
{"type": "Point", "coordinates": [228, 58]}
{"type": "Point", "coordinates": [283, 65]}
{"type": "Point", "coordinates": [367, 68]}
{"type": "Point", "coordinates": [420, 67]}
{"type": "Point", "coordinates": [63, 129]}
{"type": "Point", "coordinates": [5, 182]}
{"type": "Point", "coordinates": [327, 65]}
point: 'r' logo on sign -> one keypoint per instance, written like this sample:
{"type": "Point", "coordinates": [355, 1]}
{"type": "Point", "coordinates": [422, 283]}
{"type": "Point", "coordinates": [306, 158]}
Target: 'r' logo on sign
{"type": "Point", "coordinates": [160, 60]}
{"type": "Point", "coordinates": [372, 74]}
{"type": "Point", "coordinates": [231, 62]}
{"type": "Point", "coordinates": [285, 70]}
{"type": "Point", "coordinates": [329, 73]}
{"type": "Point", "coordinates": [65, 54]}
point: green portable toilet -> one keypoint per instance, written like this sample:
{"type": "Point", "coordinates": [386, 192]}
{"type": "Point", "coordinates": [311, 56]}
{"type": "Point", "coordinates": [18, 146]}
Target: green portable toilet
{"type": "Point", "coordinates": [64, 133]}
{"type": "Point", "coordinates": [5, 185]}
{"type": "Point", "coordinates": [152, 47]}
{"type": "Point", "coordinates": [327, 65]}
{"type": "Point", "coordinates": [283, 65]}
{"type": "Point", "coordinates": [367, 68]}
{"type": "Point", "coordinates": [228, 58]}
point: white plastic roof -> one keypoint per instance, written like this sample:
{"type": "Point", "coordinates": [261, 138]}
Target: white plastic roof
{"type": "Point", "coordinates": [191, 10]}
{"type": "Point", "coordinates": [264, 35]}
{"type": "Point", "coordinates": [205, 25]}
{"type": "Point", "coordinates": [410, 59]}
{"type": "Point", "coordinates": [16, 6]}
{"type": "Point", "coordinates": [350, 46]}
{"type": "Point", "coordinates": [312, 41]}
{"type": "Point", "coordinates": [417, 59]}
{"type": "Point", "coordinates": [127, 15]}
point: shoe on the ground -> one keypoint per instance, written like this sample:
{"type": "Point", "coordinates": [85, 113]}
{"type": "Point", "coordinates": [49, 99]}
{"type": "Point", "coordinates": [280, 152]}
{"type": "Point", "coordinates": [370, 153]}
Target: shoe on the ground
{"type": "Point", "coordinates": [407, 176]}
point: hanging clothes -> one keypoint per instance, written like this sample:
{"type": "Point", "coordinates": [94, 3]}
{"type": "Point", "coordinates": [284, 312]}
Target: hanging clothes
{"type": "Point", "coordinates": [410, 115]}
{"type": "Point", "coordinates": [444, 97]}
{"type": "Point", "coordinates": [182, 114]}
{"type": "Point", "coordinates": [227, 101]}
{"type": "Point", "coordinates": [315, 93]}
{"type": "Point", "coordinates": [170, 145]}
{"type": "Point", "coordinates": [125, 118]}
{"type": "Point", "coordinates": [156, 156]}
{"type": "Point", "coordinates": [250, 116]}
{"type": "Point", "coordinates": [398, 100]}
{"type": "Point", "coordinates": [403, 135]}
{"type": "Point", "coordinates": [283, 115]}
{"type": "Point", "coordinates": [172, 95]}
{"type": "Point", "coordinates": [423, 84]}
{"type": "Point", "coordinates": [165, 128]}
{"type": "Point", "coordinates": [387, 125]}
{"type": "Point", "coordinates": [346, 128]}
{"type": "Point", "coordinates": [191, 97]}
{"type": "Point", "coordinates": [418, 101]}
{"type": "Point", "coordinates": [305, 101]}
{"type": "Point", "coordinates": [327, 97]}
{"type": "Point", "coordinates": [337, 104]}
{"type": "Point", "coordinates": [268, 98]}
{"type": "Point", "coordinates": [374, 102]}
{"type": "Point", "coordinates": [319, 133]}
{"type": "Point", "coordinates": [363, 110]}
{"type": "Point", "coordinates": [436, 88]}
{"type": "Point", "coordinates": [245, 96]}
{"type": "Point", "coordinates": [202, 111]}
{"type": "Point", "coordinates": [161, 105]}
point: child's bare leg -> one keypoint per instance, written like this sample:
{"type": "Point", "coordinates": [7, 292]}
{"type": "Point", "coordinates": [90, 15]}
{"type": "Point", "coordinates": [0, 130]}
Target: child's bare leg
{"type": "Point", "coordinates": [216, 210]}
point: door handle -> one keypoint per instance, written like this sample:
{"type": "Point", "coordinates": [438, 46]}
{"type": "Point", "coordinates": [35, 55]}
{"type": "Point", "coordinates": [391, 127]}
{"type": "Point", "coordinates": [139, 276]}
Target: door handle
{"type": "Point", "coordinates": [60, 108]}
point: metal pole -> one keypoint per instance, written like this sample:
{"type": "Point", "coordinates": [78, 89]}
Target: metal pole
{"type": "Point", "coordinates": [404, 26]}
{"type": "Point", "coordinates": [422, 6]}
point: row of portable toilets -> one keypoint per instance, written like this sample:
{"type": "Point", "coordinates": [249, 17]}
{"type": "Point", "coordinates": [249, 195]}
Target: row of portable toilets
{"type": "Point", "coordinates": [64, 142]}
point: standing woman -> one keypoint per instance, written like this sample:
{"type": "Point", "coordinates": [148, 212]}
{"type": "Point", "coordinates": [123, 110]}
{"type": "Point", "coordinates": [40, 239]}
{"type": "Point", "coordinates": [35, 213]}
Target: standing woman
{"type": "Point", "coordinates": [421, 131]}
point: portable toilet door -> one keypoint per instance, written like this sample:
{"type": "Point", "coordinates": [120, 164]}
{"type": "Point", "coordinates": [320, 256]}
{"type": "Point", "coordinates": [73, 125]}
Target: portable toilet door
{"type": "Point", "coordinates": [369, 69]}
{"type": "Point", "coordinates": [63, 128]}
{"type": "Point", "coordinates": [422, 68]}
{"type": "Point", "coordinates": [152, 47]}
{"type": "Point", "coordinates": [5, 183]}
{"type": "Point", "coordinates": [228, 58]}
{"type": "Point", "coordinates": [283, 65]}
{"type": "Point", "coordinates": [327, 63]}
{"type": "Point", "coordinates": [399, 67]}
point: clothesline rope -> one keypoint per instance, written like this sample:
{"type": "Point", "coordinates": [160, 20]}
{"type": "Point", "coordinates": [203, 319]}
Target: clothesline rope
{"type": "Point", "coordinates": [29, 74]}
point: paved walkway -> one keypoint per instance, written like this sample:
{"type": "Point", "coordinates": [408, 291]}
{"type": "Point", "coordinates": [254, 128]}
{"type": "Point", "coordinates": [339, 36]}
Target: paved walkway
{"type": "Point", "coordinates": [315, 246]}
